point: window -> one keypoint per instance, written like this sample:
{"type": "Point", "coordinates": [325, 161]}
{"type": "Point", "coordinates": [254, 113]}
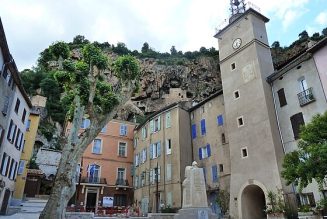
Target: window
{"type": "Point", "coordinates": [15, 169]}
{"type": "Point", "coordinates": [156, 174]}
{"type": "Point", "coordinates": [136, 160]}
{"type": "Point", "coordinates": [96, 149]}
{"type": "Point", "coordinates": [17, 105]}
{"type": "Point", "coordinates": [18, 138]}
{"type": "Point", "coordinates": [193, 131]}
{"type": "Point", "coordinates": [168, 172]}
{"type": "Point", "coordinates": [12, 169]}
{"type": "Point", "coordinates": [23, 116]}
{"type": "Point", "coordinates": [155, 150]}
{"type": "Point", "coordinates": [297, 121]}
{"type": "Point", "coordinates": [303, 84]}
{"type": "Point", "coordinates": [135, 141]}
{"type": "Point", "coordinates": [168, 146]}
{"type": "Point", "coordinates": [168, 120]}
{"type": "Point", "coordinates": [223, 138]}
{"type": "Point", "coordinates": [122, 149]}
{"type": "Point", "coordinates": [28, 125]}
{"type": "Point", "coordinates": [85, 123]}
{"type": "Point", "coordinates": [104, 129]}
{"type": "Point", "coordinates": [94, 173]}
{"type": "Point", "coordinates": [11, 132]}
{"type": "Point", "coordinates": [4, 163]}
{"type": "Point", "coordinates": [214, 173]}
{"type": "Point", "coordinates": [281, 97]}
{"type": "Point", "coordinates": [307, 199]}
{"type": "Point", "coordinates": [244, 152]}
{"type": "Point", "coordinates": [144, 132]}
{"type": "Point", "coordinates": [21, 142]}
{"type": "Point", "coordinates": [5, 106]}
{"type": "Point", "coordinates": [220, 120]}
{"type": "Point", "coordinates": [236, 94]}
{"type": "Point", "coordinates": [143, 176]}
{"type": "Point", "coordinates": [240, 121]}
{"type": "Point", "coordinates": [2, 131]}
{"type": "Point", "coordinates": [233, 66]}
{"type": "Point", "coordinates": [123, 130]}
{"type": "Point", "coordinates": [203, 127]}
{"type": "Point", "coordinates": [157, 124]}
{"type": "Point", "coordinates": [221, 168]}
{"type": "Point", "coordinates": [202, 109]}
{"type": "Point", "coordinates": [204, 152]}
{"type": "Point", "coordinates": [144, 155]}
{"type": "Point", "coordinates": [121, 174]}
{"type": "Point", "coordinates": [169, 200]}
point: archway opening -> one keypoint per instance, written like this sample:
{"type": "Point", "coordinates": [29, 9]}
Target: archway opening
{"type": "Point", "coordinates": [253, 203]}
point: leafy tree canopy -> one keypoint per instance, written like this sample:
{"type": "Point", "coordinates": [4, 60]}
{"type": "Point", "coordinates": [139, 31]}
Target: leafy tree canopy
{"type": "Point", "coordinates": [309, 161]}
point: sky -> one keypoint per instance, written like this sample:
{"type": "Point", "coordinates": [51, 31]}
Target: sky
{"type": "Point", "coordinates": [33, 25]}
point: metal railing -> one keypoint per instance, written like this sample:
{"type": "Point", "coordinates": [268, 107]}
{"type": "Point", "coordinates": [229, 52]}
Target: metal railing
{"type": "Point", "coordinates": [95, 180]}
{"type": "Point", "coordinates": [121, 182]}
{"type": "Point", "coordinates": [306, 97]}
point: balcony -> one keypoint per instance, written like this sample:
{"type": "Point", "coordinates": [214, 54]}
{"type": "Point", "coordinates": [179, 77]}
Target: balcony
{"type": "Point", "coordinates": [93, 180]}
{"type": "Point", "coordinates": [306, 97]}
{"type": "Point", "coordinates": [121, 182]}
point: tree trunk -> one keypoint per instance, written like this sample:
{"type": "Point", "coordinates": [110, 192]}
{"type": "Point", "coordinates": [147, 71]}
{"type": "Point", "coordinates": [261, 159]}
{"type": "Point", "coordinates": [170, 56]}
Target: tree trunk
{"type": "Point", "coordinates": [65, 181]}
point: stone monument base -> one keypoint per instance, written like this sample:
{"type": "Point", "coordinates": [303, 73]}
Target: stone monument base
{"type": "Point", "coordinates": [195, 213]}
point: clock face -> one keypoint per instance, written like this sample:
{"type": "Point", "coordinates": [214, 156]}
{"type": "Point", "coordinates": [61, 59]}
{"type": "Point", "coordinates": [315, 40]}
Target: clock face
{"type": "Point", "coordinates": [237, 43]}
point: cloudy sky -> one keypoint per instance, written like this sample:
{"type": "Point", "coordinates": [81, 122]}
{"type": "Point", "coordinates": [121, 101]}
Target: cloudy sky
{"type": "Point", "coordinates": [32, 25]}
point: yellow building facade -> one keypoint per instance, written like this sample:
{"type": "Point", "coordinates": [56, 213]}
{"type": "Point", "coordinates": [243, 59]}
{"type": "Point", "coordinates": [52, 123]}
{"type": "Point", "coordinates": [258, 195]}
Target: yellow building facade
{"type": "Point", "coordinates": [27, 152]}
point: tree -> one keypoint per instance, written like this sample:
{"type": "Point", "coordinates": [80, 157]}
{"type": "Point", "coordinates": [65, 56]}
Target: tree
{"type": "Point", "coordinates": [59, 49]}
{"type": "Point", "coordinates": [88, 94]}
{"type": "Point", "coordinates": [309, 161]}
{"type": "Point", "coordinates": [303, 35]}
{"type": "Point", "coordinates": [145, 48]}
{"type": "Point", "coordinates": [79, 39]}
{"type": "Point", "coordinates": [324, 32]}
{"type": "Point", "coordinates": [275, 45]}
{"type": "Point", "coordinates": [173, 51]}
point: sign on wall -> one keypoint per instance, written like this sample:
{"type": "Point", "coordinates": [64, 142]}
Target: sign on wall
{"type": "Point", "coordinates": [108, 201]}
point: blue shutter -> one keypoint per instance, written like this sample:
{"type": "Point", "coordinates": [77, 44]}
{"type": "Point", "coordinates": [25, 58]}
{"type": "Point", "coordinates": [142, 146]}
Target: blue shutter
{"type": "Point", "coordinates": [208, 150]}
{"type": "Point", "coordinates": [158, 149]}
{"type": "Point", "coordinates": [200, 153]}
{"type": "Point", "coordinates": [214, 173]}
{"type": "Point", "coordinates": [220, 120]}
{"type": "Point", "coordinates": [203, 126]}
{"type": "Point", "coordinates": [151, 149]}
{"type": "Point", "coordinates": [193, 131]}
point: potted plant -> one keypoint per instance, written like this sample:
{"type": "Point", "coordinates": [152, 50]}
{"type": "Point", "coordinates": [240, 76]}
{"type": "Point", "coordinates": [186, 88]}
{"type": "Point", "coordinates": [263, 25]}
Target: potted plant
{"type": "Point", "coordinates": [275, 208]}
{"type": "Point", "coordinates": [305, 210]}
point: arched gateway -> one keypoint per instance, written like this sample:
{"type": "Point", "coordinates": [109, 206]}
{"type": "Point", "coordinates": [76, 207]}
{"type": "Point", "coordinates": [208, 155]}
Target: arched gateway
{"type": "Point", "coordinates": [253, 203]}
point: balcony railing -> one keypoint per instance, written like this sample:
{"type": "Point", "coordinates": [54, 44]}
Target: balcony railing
{"type": "Point", "coordinates": [94, 180]}
{"type": "Point", "coordinates": [306, 97]}
{"type": "Point", "coordinates": [122, 182]}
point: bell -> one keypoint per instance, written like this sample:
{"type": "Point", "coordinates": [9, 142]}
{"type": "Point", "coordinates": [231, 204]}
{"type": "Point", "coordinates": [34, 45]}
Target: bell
{"type": "Point", "coordinates": [236, 3]}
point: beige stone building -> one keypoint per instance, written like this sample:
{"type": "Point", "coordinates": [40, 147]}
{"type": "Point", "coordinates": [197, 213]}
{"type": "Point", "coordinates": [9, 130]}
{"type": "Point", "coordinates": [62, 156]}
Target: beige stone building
{"type": "Point", "coordinates": [162, 150]}
{"type": "Point", "coordinates": [210, 145]}
{"type": "Point", "coordinates": [298, 91]}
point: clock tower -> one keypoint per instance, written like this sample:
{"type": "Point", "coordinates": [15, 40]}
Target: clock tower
{"type": "Point", "coordinates": [256, 151]}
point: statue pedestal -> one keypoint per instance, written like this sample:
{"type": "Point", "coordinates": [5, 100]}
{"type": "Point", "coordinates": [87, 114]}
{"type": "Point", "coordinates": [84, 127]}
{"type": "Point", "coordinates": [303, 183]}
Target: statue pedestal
{"type": "Point", "coordinates": [195, 213]}
{"type": "Point", "coordinates": [195, 204]}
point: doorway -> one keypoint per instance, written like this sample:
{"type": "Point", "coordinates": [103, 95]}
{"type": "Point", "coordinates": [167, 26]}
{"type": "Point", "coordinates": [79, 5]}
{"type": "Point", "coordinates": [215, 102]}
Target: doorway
{"type": "Point", "coordinates": [253, 203]}
{"type": "Point", "coordinates": [5, 202]}
{"type": "Point", "coordinates": [91, 201]}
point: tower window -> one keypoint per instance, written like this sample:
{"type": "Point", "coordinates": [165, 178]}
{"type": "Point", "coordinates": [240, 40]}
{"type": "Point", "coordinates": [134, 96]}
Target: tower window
{"type": "Point", "coordinates": [233, 66]}
{"type": "Point", "coordinates": [236, 94]}
{"type": "Point", "coordinates": [244, 152]}
{"type": "Point", "coordinates": [240, 121]}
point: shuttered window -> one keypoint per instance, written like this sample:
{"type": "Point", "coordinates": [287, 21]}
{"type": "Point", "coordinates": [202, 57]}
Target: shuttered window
{"type": "Point", "coordinates": [220, 120]}
{"type": "Point", "coordinates": [168, 172]}
{"type": "Point", "coordinates": [281, 97]}
{"type": "Point", "coordinates": [203, 127]}
{"type": "Point", "coordinates": [297, 121]}
{"type": "Point", "coordinates": [168, 120]}
{"type": "Point", "coordinates": [193, 131]}
{"type": "Point", "coordinates": [123, 130]}
{"type": "Point", "coordinates": [214, 173]}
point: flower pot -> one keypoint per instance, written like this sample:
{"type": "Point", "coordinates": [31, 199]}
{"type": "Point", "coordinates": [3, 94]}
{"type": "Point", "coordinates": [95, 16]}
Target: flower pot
{"type": "Point", "coordinates": [276, 216]}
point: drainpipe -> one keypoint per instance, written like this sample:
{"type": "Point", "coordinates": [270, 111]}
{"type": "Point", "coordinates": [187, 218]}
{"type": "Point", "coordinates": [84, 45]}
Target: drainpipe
{"type": "Point", "coordinates": [277, 118]}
